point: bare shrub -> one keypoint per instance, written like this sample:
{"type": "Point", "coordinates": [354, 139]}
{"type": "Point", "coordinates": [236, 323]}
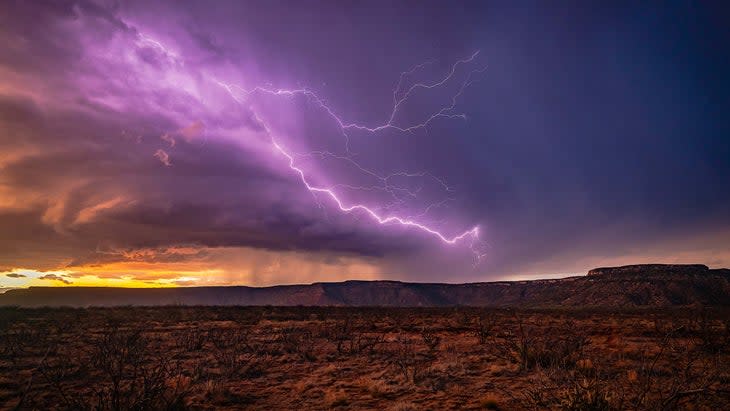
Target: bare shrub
{"type": "Point", "coordinates": [535, 345]}
{"type": "Point", "coordinates": [483, 328]}
{"type": "Point", "coordinates": [564, 390]}
{"type": "Point", "coordinates": [712, 334]}
{"type": "Point", "coordinates": [431, 339]}
{"type": "Point", "coordinates": [16, 340]}
{"type": "Point", "coordinates": [236, 353]}
{"type": "Point", "coordinates": [694, 377]}
{"type": "Point", "coordinates": [238, 338]}
{"type": "Point", "coordinates": [297, 341]}
{"type": "Point", "coordinates": [233, 363]}
{"type": "Point", "coordinates": [410, 364]}
{"type": "Point", "coordinates": [126, 379]}
{"type": "Point", "coordinates": [190, 340]}
{"type": "Point", "coordinates": [349, 340]}
{"type": "Point", "coordinates": [676, 376]}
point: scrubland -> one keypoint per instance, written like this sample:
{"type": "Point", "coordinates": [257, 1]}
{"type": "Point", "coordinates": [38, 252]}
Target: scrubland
{"type": "Point", "coordinates": [177, 358]}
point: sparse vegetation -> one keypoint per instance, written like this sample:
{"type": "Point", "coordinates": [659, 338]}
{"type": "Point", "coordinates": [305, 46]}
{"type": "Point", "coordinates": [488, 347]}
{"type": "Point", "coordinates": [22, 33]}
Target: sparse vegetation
{"type": "Point", "coordinates": [175, 358]}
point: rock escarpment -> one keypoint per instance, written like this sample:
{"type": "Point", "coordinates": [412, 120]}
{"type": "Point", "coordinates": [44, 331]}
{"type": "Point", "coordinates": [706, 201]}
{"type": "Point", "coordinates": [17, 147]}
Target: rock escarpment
{"type": "Point", "coordinates": [654, 285]}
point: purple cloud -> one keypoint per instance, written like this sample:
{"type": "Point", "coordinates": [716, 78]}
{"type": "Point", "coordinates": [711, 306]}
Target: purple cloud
{"type": "Point", "coordinates": [97, 101]}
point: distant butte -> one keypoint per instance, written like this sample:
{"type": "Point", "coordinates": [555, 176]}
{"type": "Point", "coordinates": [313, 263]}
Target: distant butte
{"type": "Point", "coordinates": [648, 269]}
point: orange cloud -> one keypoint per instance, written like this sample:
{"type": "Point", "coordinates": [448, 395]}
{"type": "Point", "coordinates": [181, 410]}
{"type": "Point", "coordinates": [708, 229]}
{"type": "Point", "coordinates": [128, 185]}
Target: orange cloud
{"type": "Point", "coordinates": [89, 213]}
{"type": "Point", "coordinates": [192, 131]}
{"type": "Point", "coordinates": [163, 157]}
{"type": "Point", "coordinates": [207, 266]}
{"type": "Point", "coordinates": [188, 133]}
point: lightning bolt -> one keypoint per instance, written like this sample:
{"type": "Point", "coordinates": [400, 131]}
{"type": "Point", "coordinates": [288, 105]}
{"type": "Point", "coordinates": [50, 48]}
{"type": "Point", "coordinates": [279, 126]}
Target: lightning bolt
{"type": "Point", "coordinates": [444, 112]}
{"type": "Point", "coordinates": [400, 96]}
{"type": "Point", "coordinates": [380, 219]}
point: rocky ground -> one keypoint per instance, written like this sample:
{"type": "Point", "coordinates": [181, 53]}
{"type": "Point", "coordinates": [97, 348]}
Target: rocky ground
{"type": "Point", "coordinates": [364, 358]}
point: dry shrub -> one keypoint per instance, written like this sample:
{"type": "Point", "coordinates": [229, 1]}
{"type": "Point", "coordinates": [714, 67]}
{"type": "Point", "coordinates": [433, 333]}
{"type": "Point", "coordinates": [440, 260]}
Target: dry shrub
{"type": "Point", "coordinates": [533, 345]}
{"type": "Point", "coordinates": [149, 359]}
{"type": "Point", "coordinates": [351, 340]}
{"type": "Point", "coordinates": [483, 328]}
{"type": "Point", "coordinates": [191, 340]}
{"type": "Point", "coordinates": [127, 376]}
{"type": "Point", "coordinates": [414, 366]}
{"type": "Point", "coordinates": [431, 339]}
{"type": "Point", "coordinates": [299, 341]}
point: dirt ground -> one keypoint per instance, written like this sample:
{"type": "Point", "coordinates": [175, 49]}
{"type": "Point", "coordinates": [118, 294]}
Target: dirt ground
{"type": "Point", "coordinates": [273, 358]}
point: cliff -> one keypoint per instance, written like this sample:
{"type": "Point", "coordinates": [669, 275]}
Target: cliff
{"type": "Point", "coordinates": [629, 286]}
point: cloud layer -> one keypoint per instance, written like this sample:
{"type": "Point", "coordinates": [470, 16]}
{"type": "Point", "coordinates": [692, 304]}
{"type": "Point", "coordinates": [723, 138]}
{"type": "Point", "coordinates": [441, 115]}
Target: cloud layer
{"type": "Point", "coordinates": [124, 157]}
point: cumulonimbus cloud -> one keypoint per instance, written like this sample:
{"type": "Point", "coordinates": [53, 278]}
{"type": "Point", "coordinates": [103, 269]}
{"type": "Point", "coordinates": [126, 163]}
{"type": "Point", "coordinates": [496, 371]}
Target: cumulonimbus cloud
{"type": "Point", "coordinates": [224, 192]}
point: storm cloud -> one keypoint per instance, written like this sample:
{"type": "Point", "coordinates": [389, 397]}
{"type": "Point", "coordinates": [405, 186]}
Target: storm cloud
{"type": "Point", "coordinates": [591, 136]}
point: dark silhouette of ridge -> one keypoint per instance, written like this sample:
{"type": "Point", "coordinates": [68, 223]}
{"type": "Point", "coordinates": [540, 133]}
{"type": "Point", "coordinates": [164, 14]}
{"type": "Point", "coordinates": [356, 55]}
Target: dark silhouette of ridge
{"type": "Point", "coordinates": [634, 285]}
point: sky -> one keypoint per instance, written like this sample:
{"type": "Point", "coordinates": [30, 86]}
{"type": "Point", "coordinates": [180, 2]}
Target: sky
{"type": "Point", "coordinates": [180, 143]}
